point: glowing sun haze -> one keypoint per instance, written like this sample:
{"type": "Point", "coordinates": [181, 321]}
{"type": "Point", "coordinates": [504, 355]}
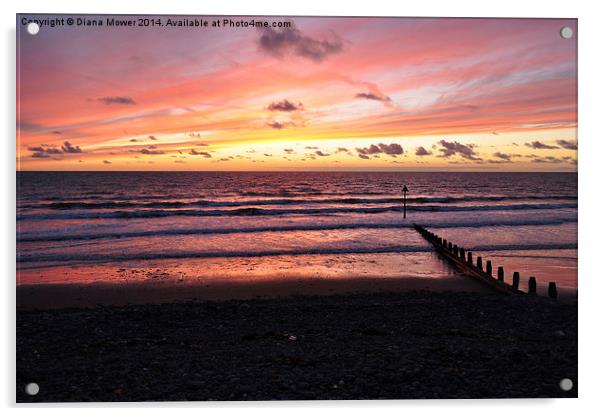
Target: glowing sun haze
{"type": "Point", "coordinates": [324, 94]}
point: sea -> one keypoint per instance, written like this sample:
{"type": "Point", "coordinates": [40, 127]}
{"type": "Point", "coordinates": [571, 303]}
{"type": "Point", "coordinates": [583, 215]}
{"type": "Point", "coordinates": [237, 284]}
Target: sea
{"type": "Point", "coordinates": [241, 225]}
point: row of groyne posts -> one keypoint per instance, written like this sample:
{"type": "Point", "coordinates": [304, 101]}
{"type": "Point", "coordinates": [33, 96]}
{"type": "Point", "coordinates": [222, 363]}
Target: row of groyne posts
{"type": "Point", "coordinates": [463, 261]}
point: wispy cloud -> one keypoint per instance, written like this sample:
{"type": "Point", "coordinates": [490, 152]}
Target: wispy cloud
{"type": "Point", "coordinates": [278, 125]}
{"type": "Point", "coordinates": [150, 151]}
{"type": "Point", "coordinates": [567, 144]}
{"type": "Point", "coordinates": [547, 159]}
{"type": "Point", "coordinates": [117, 100]}
{"type": "Point", "coordinates": [503, 156]}
{"type": "Point", "coordinates": [372, 96]}
{"type": "Point", "coordinates": [555, 160]}
{"type": "Point", "coordinates": [539, 145]}
{"type": "Point", "coordinates": [196, 153]}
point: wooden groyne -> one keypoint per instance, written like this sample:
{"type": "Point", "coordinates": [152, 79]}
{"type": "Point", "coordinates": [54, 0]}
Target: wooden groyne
{"type": "Point", "coordinates": [462, 260]}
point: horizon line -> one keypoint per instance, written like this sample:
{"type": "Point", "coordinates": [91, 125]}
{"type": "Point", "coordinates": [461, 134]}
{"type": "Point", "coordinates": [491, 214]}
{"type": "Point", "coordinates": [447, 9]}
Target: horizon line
{"type": "Point", "coordinates": [285, 171]}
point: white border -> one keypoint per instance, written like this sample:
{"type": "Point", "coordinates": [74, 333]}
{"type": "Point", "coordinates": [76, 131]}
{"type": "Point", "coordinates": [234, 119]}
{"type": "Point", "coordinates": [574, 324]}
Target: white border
{"type": "Point", "coordinates": [590, 24]}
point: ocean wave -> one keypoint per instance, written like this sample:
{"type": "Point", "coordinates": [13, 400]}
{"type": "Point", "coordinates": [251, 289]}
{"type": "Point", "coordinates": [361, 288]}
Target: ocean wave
{"type": "Point", "coordinates": [513, 247]}
{"type": "Point", "coordinates": [41, 257]}
{"type": "Point", "coordinates": [102, 258]}
{"type": "Point", "coordinates": [83, 205]}
{"type": "Point", "coordinates": [253, 211]}
{"type": "Point", "coordinates": [310, 227]}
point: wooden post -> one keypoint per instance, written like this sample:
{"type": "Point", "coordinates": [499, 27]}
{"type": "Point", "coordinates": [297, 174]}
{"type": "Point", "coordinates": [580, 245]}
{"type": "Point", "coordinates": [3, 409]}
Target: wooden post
{"type": "Point", "coordinates": [462, 254]}
{"type": "Point", "coordinates": [479, 263]}
{"type": "Point", "coordinates": [455, 250]}
{"type": "Point", "coordinates": [469, 258]}
{"type": "Point", "coordinates": [532, 286]}
{"type": "Point", "coordinates": [552, 291]}
{"type": "Point", "coordinates": [489, 268]}
{"type": "Point", "coordinates": [405, 191]}
{"type": "Point", "coordinates": [444, 243]}
{"type": "Point", "coordinates": [515, 280]}
{"type": "Point", "coordinates": [500, 274]}
{"type": "Point", "coordinates": [450, 246]}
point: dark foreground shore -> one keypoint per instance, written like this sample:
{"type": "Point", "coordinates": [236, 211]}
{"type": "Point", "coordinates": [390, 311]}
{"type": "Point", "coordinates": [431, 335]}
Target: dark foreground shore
{"type": "Point", "coordinates": [418, 345]}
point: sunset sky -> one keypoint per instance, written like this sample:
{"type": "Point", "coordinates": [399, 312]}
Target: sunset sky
{"type": "Point", "coordinates": [325, 93]}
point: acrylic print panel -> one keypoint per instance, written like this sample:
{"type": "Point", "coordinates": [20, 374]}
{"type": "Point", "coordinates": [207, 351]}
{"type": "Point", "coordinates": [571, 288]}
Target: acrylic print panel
{"type": "Point", "coordinates": [295, 208]}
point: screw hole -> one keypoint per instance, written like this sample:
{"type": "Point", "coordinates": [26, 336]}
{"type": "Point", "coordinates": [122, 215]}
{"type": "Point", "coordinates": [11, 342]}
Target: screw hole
{"type": "Point", "coordinates": [32, 389]}
{"type": "Point", "coordinates": [33, 28]}
{"type": "Point", "coordinates": [566, 384]}
{"type": "Point", "coordinates": [566, 32]}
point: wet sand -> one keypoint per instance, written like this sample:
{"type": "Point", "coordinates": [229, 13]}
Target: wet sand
{"type": "Point", "coordinates": [53, 296]}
